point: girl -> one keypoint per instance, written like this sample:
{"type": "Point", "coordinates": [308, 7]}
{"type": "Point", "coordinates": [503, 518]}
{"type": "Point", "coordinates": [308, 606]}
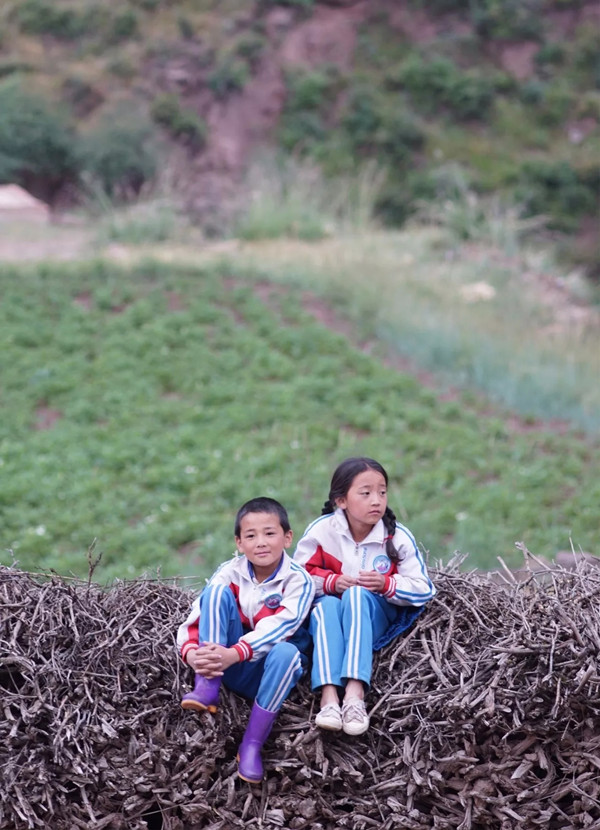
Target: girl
{"type": "Point", "coordinates": [245, 628]}
{"type": "Point", "coordinates": [371, 584]}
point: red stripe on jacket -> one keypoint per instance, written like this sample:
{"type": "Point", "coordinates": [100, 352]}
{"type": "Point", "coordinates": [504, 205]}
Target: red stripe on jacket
{"type": "Point", "coordinates": [325, 566]}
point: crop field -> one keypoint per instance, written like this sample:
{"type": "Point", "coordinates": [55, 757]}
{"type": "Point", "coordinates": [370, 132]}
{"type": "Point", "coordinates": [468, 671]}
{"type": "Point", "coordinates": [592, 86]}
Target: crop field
{"type": "Point", "coordinates": [141, 406]}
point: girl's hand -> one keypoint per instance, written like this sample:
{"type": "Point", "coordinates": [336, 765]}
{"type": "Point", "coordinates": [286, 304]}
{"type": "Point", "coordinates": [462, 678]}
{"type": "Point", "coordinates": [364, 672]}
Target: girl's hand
{"type": "Point", "coordinates": [344, 582]}
{"type": "Point", "coordinates": [372, 581]}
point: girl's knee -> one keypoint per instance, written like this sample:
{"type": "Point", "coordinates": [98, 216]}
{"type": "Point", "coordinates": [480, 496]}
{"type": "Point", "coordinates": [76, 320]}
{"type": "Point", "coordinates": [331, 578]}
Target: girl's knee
{"type": "Point", "coordinates": [326, 607]}
{"type": "Point", "coordinates": [354, 592]}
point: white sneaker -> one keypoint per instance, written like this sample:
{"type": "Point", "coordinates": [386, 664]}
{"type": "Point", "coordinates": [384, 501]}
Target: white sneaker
{"type": "Point", "coordinates": [330, 717]}
{"type": "Point", "coordinates": [355, 720]}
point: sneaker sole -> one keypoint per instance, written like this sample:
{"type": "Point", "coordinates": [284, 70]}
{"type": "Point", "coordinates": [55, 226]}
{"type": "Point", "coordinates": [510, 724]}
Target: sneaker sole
{"type": "Point", "coordinates": [329, 727]}
{"type": "Point", "coordinates": [193, 706]}
{"type": "Point", "coordinates": [355, 730]}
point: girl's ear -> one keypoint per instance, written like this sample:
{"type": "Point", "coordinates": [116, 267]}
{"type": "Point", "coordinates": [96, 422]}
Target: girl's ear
{"type": "Point", "coordinates": [341, 502]}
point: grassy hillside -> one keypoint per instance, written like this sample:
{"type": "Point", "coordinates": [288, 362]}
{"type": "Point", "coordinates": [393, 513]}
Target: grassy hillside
{"type": "Point", "coordinates": [141, 407]}
{"type": "Point", "coordinates": [509, 92]}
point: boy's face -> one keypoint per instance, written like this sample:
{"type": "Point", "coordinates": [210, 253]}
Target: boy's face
{"type": "Point", "coordinates": [262, 541]}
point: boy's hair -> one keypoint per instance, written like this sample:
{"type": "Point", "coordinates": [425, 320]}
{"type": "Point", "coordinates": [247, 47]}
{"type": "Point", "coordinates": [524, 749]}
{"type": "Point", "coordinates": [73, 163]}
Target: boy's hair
{"type": "Point", "coordinates": [262, 504]}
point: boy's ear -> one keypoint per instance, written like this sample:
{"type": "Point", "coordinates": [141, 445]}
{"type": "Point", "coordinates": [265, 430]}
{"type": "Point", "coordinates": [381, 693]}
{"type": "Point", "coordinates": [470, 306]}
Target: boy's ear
{"type": "Point", "coordinates": [287, 539]}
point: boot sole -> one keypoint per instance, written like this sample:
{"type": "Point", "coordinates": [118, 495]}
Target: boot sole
{"type": "Point", "coordinates": [198, 707]}
{"type": "Point", "coordinates": [248, 780]}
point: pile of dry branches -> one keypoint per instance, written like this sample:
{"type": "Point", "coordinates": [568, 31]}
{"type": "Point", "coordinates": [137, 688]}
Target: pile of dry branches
{"type": "Point", "coordinates": [485, 715]}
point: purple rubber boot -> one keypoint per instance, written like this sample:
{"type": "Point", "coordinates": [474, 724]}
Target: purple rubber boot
{"type": "Point", "coordinates": [250, 766]}
{"type": "Point", "coordinates": [205, 696]}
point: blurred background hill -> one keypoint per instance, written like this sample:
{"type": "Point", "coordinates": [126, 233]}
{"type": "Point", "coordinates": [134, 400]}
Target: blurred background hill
{"type": "Point", "coordinates": [447, 100]}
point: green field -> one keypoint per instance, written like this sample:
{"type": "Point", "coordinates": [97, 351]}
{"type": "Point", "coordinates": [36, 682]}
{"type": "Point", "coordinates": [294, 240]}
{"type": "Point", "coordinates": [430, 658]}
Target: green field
{"type": "Point", "coordinates": [140, 407]}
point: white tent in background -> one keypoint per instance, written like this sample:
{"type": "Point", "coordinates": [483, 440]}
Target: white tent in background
{"type": "Point", "coordinates": [18, 205]}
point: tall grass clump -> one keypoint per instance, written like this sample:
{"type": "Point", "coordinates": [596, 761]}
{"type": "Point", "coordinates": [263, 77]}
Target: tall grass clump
{"type": "Point", "coordinates": [291, 198]}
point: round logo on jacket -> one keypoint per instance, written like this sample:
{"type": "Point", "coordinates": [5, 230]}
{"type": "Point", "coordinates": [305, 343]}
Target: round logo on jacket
{"type": "Point", "coordinates": [382, 564]}
{"type": "Point", "coordinates": [273, 600]}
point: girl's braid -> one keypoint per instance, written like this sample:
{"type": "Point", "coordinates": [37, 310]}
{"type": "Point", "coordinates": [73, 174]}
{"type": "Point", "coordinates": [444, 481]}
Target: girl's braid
{"type": "Point", "coordinates": [327, 508]}
{"type": "Point", "coordinates": [389, 521]}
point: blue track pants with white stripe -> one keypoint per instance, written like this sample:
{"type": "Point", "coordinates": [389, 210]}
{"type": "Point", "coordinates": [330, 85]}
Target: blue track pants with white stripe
{"type": "Point", "coordinates": [344, 629]}
{"type": "Point", "coordinates": [268, 680]}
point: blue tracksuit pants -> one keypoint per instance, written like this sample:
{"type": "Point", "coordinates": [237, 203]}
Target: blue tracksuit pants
{"type": "Point", "coordinates": [268, 680]}
{"type": "Point", "coordinates": [344, 629]}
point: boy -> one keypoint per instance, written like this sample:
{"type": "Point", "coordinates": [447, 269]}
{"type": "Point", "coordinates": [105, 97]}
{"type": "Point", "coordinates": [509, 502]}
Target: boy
{"type": "Point", "coordinates": [245, 627]}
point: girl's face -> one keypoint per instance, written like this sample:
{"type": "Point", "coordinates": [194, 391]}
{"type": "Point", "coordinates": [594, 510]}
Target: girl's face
{"type": "Point", "coordinates": [365, 502]}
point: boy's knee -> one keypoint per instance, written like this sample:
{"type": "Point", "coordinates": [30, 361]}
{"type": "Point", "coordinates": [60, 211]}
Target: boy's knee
{"type": "Point", "coordinates": [219, 592]}
{"type": "Point", "coordinates": [218, 599]}
{"type": "Point", "coordinates": [284, 653]}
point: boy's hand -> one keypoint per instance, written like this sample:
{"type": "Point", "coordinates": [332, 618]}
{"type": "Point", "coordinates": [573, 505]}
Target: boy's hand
{"type": "Point", "coordinates": [372, 581]}
{"type": "Point", "coordinates": [191, 658]}
{"type": "Point", "coordinates": [212, 659]}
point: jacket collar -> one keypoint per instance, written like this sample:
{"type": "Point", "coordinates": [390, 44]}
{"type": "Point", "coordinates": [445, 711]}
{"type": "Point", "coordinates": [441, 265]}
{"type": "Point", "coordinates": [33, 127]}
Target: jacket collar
{"type": "Point", "coordinates": [340, 521]}
{"type": "Point", "coordinates": [279, 570]}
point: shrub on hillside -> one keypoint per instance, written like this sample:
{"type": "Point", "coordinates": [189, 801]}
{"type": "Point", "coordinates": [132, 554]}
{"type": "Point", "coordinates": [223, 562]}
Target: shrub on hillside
{"type": "Point", "coordinates": [300, 4]}
{"type": "Point", "coordinates": [556, 189]}
{"type": "Point", "coordinates": [36, 141]}
{"type": "Point", "coordinates": [183, 124]}
{"type": "Point", "coordinates": [250, 47]}
{"type": "Point", "coordinates": [494, 19]}
{"type": "Point", "coordinates": [440, 83]}
{"type": "Point", "coordinates": [507, 19]}
{"type": "Point", "coordinates": [231, 74]}
{"type": "Point", "coordinates": [120, 157]}
{"type": "Point", "coordinates": [585, 49]}
{"type": "Point", "coordinates": [149, 5]}
{"type": "Point", "coordinates": [550, 54]}
{"type": "Point", "coordinates": [400, 137]}
{"type": "Point", "coordinates": [304, 120]}
{"type": "Point", "coordinates": [363, 117]}
{"type": "Point", "coordinates": [550, 101]}
{"type": "Point", "coordinates": [122, 26]}
{"type": "Point", "coordinates": [42, 17]}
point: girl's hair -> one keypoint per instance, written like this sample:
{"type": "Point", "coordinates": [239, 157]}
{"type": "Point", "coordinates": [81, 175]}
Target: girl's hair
{"type": "Point", "coordinates": [341, 481]}
{"type": "Point", "coordinates": [262, 504]}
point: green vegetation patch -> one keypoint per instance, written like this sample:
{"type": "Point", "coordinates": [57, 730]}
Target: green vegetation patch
{"type": "Point", "coordinates": [141, 408]}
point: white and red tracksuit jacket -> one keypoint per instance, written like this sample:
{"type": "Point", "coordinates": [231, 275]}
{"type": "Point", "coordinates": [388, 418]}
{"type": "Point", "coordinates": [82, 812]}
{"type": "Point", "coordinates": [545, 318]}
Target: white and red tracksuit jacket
{"type": "Point", "coordinates": [270, 611]}
{"type": "Point", "coordinates": [328, 550]}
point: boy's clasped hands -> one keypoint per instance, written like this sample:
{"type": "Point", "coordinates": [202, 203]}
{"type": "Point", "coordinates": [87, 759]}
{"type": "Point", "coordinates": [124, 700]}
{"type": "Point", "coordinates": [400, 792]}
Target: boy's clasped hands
{"type": "Point", "coordinates": [212, 659]}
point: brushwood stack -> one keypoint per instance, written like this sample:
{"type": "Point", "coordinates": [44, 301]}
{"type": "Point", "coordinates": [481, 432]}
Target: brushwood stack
{"type": "Point", "coordinates": [485, 716]}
